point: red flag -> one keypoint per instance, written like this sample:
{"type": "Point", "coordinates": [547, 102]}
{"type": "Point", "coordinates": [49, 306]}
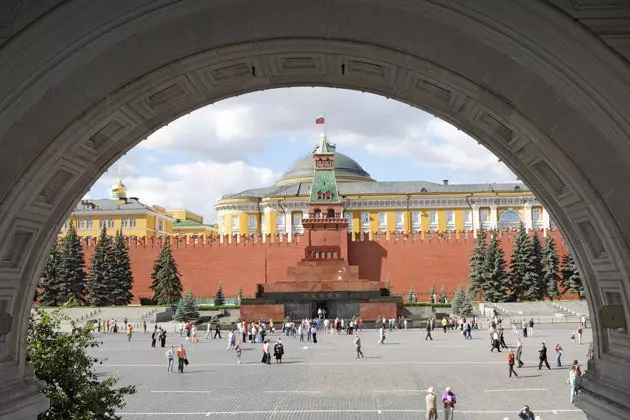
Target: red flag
{"type": "Point", "coordinates": [320, 120]}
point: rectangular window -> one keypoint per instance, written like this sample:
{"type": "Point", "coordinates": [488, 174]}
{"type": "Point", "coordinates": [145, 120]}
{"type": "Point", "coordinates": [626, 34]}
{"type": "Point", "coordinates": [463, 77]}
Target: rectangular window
{"type": "Point", "coordinates": [365, 222]}
{"type": "Point", "coordinates": [536, 215]}
{"type": "Point", "coordinates": [160, 225]}
{"type": "Point", "coordinates": [400, 221]}
{"type": "Point", "coordinates": [123, 222]}
{"type": "Point", "coordinates": [102, 222]}
{"type": "Point", "coordinates": [484, 215]}
{"type": "Point", "coordinates": [450, 217]}
{"type": "Point", "coordinates": [110, 222]}
{"type": "Point", "coordinates": [88, 223]}
{"type": "Point", "coordinates": [415, 221]}
{"type": "Point", "coordinates": [348, 217]}
{"type": "Point", "coordinates": [433, 220]}
{"type": "Point", "coordinates": [280, 223]}
{"type": "Point", "coordinates": [235, 225]}
{"type": "Point", "coordinates": [132, 221]}
{"type": "Point", "coordinates": [468, 218]}
{"type": "Point", "coordinates": [264, 226]}
{"type": "Point", "coordinates": [80, 223]}
{"type": "Point", "coordinates": [252, 223]}
{"type": "Point", "coordinates": [382, 221]}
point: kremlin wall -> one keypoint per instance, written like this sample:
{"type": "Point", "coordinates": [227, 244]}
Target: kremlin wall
{"type": "Point", "coordinates": [417, 259]}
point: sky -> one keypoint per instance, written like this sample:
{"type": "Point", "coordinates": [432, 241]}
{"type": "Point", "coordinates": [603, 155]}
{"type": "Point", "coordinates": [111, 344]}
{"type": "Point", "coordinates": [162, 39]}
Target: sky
{"type": "Point", "coordinates": [250, 140]}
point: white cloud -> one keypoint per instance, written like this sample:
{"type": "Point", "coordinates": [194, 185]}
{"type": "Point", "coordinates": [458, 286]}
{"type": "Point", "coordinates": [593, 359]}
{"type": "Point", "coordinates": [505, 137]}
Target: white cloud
{"type": "Point", "coordinates": [195, 185]}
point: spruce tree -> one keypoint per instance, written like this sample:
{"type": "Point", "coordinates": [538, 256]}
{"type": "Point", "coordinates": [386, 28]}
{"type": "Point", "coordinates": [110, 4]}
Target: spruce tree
{"type": "Point", "coordinates": [466, 308]}
{"type": "Point", "coordinates": [71, 269]}
{"type": "Point", "coordinates": [219, 299]}
{"type": "Point", "coordinates": [49, 293]}
{"type": "Point", "coordinates": [570, 281]}
{"type": "Point", "coordinates": [537, 278]}
{"type": "Point", "coordinates": [121, 277]}
{"type": "Point", "coordinates": [477, 264]}
{"type": "Point", "coordinates": [187, 309]}
{"type": "Point", "coordinates": [550, 268]}
{"type": "Point", "coordinates": [411, 297]}
{"type": "Point", "coordinates": [443, 294]}
{"type": "Point", "coordinates": [167, 286]}
{"type": "Point", "coordinates": [496, 280]}
{"type": "Point", "coordinates": [432, 293]}
{"type": "Point", "coordinates": [98, 284]}
{"type": "Point", "coordinates": [519, 262]}
{"type": "Point", "coordinates": [458, 300]}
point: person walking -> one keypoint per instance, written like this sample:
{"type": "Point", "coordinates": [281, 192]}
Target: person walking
{"type": "Point", "coordinates": [264, 352]}
{"type": "Point", "coordinates": [181, 358]}
{"type": "Point", "coordinates": [144, 326]}
{"type": "Point", "coordinates": [268, 351]}
{"type": "Point", "coordinates": [530, 331]}
{"type": "Point", "coordinates": [163, 338]}
{"type": "Point", "coordinates": [129, 332]}
{"type": "Point", "coordinates": [524, 325]}
{"type": "Point", "coordinates": [217, 330]}
{"type": "Point", "coordinates": [542, 357]}
{"type": "Point", "coordinates": [208, 330]}
{"type": "Point", "coordinates": [495, 342]}
{"type": "Point", "coordinates": [558, 355]}
{"type": "Point", "coordinates": [573, 386]}
{"type": "Point", "coordinates": [278, 351]}
{"type": "Point", "coordinates": [519, 352]}
{"type": "Point", "coordinates": [170, 356]}
{"type": "Point", "coordinates": [449, 400]}
{"type": "Point", "coordinates": [357, 345]}
{"type": "Point", "coordinates": [314, 333]}
{"type": "Point", "coordinates": [381, 335]}
{"type": "Point", "coordinates": [428, 332]}
{"type": "Point", "coordinates": [444, 324]}
{"type": "Point", "coordinates": [502, 339]}
{"type": "Point", "coordinates": [579, 334]}
{"type": "Point", "coordinates": [230, 335]}
{"type": "Point", "coordinates": [526, 414]}
{"type": "Point", "coordinates": [511, 358]}
{"type": "Point", "coordinates": [238, 350]}
{"type": "Point", "coordinates": [154, 335]}
{"type": "Point", "coordinates": [431, 404]}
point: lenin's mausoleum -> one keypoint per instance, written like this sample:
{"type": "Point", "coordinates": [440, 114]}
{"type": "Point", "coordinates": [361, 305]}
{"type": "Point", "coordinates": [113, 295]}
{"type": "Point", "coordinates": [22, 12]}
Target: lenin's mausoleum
{"type": "Point", "coordinates": [411, 233]}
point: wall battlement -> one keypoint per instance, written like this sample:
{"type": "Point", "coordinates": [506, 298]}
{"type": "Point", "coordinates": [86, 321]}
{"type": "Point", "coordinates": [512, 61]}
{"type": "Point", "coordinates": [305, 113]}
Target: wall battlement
{"type": "Point", "coordinates": [296, 239]}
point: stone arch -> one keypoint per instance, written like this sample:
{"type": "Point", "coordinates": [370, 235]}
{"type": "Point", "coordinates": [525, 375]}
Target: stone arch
{"type": "Point", "coordinates": [502, 72]}
{"type": "Point", "coordinates": [509, 219]}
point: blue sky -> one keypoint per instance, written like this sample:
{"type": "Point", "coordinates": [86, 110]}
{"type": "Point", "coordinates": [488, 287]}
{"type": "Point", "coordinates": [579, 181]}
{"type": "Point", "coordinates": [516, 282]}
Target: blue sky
{"type": "Point", "coordinates": [250, 140]}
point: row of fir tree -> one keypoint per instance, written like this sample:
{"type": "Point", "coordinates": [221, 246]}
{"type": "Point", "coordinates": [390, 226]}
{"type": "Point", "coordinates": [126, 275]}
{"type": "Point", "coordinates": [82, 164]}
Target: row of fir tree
{"type": "Point", "coordinates": [535, 271]}
{"type": "Point", "coordinates": [109, 279]}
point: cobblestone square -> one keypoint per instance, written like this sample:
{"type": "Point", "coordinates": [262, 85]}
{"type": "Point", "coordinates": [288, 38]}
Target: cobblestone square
{"type": "Point", "coordinates": [326, 381]}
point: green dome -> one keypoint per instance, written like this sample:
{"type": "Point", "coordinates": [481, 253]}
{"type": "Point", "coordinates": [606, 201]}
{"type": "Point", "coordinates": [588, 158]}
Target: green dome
{"type": "Point", "coordinates": [346, 170]}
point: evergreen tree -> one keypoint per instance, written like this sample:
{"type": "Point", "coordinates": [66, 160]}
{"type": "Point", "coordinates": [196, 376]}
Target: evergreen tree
{"type": "Point", "coordinates": [570, 281]}
{"type": "Point", "coordinates": [121, 277]}
{"type": "Point", "coordinates": [458, 300]}
{"type": "Point", "coordinates": [443, 294]}
{"type": "Point", "coordinates": [412, 298]}
{"type": "Point", "coordinates": [466, 307]}
{"type": "Point", "coordinates": [187, 308]}
{"type": "Point", "coordinates": [98, 284]}
{"type": "Point", "coordinates": [71, 269]}
{"type": "Point", "coordinates": [219, 299]}
{"type": "Point", "coordinates": [519, 262]}
{"type": "Point", "coordinates": [550, 268]}
{"type": "Point", "coordinates": [167, 286]}
{"type": "Point", "coordinates": [432, 293]}
{"type": "Point", "coordinates": [49, 294]}
{"type": "Point", "coordinates": [477, 264]}
{"type": "Point", "coordinates": [496, 281]}
{"type": "Point", "coordinates": [539, 289]}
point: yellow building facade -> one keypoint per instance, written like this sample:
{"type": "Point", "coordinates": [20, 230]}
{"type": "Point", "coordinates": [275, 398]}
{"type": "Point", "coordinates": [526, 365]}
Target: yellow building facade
{"type": "Point", "coordinates": [371, 206]}
{"type": "Point", "coordinates": [134, 218]}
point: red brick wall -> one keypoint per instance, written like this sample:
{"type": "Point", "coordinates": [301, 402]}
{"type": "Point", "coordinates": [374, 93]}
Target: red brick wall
{"type": "Point", "coordinates": [258, 312]}
{"type": "Point", "coordinates": [415, 260]}
{"type": "Point", "coordinates": [372, 311]}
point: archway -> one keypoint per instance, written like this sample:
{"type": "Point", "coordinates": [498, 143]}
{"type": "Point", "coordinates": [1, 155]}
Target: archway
{"type": "Point", "coordinates": [83, 83]}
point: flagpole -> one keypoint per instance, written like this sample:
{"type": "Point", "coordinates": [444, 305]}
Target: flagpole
{"type": "Point", "coordinates": [325, 127]}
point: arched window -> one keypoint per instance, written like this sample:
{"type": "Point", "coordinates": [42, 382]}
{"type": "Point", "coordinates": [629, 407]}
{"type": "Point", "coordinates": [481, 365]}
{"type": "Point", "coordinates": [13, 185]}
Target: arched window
{"type": "Point", "coordinates": [330, 213]}
{"type": "Point", "coordinates": [317, 213]}
{"type": "Point", "coordinates": [320, 195]}
{"type": "Point", "coordinates": [509, 219]}
{"type": "Point", "coordinates": [328, 195]}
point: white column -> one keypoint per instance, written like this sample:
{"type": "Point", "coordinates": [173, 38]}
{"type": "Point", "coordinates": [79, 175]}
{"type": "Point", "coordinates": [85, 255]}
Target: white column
{"type": "Point", "coordinates": [527, 208]}
{"type": "Point", "coordinates": [545, 219]}
{"type": "Point", "coordinates": [493, 216]}
{"type": "Point", "coordinates": [476, 223]}
{"type": "Point", "coordinates": [287, 224]}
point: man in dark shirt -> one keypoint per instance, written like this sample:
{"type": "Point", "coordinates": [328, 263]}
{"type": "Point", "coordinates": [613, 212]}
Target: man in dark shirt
{"type": "Point", "coordinates": [542, 356]}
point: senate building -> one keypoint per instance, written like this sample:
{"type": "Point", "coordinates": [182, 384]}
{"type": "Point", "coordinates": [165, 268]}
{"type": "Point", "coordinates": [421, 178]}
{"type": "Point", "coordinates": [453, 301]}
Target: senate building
{"type": "Point", "coordinates": [371, 206]}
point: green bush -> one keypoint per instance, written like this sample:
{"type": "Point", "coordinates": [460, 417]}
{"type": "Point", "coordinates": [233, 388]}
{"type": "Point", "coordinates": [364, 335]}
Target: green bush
{"type": "Point", "coordinates": [147, 301]}
{"type": "Point", "coordinates": [216, 308]}
{"type": "Point", "coordinates": [435, 305]}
